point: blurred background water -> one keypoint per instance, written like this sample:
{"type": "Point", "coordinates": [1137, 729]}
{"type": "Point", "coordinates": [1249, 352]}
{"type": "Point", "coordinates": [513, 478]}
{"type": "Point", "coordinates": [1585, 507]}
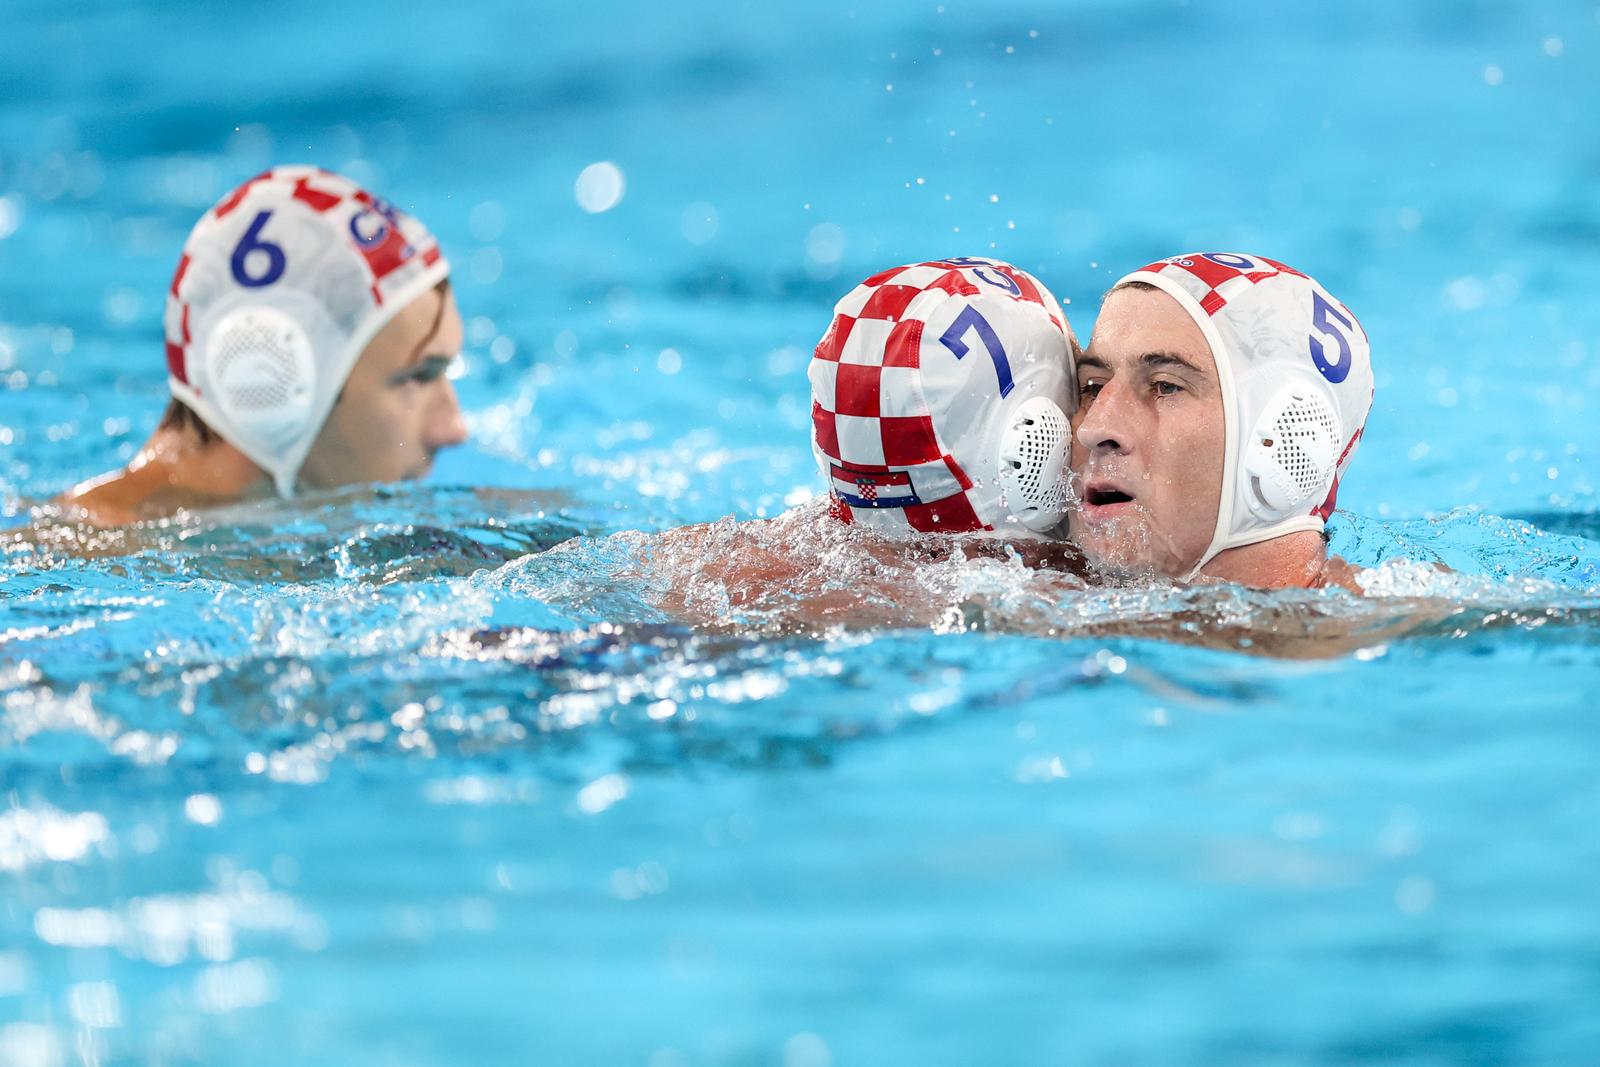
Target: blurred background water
{"type": "Point", "coordinates": [265, 797]}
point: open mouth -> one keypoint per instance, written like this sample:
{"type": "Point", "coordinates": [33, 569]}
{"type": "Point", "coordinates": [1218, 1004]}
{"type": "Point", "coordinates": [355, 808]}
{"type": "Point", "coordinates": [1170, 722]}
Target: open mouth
{"type": "Point", "coordinates": [1104, 496]}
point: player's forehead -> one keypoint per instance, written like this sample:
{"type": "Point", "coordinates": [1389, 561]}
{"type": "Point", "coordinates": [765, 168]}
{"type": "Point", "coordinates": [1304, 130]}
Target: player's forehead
{"type": "Point", "coordinates": [428, 326]}
{"type": "Point", "coordinates": [448, 337]}
{"type": "Point", "coordinates": [1136, 322]}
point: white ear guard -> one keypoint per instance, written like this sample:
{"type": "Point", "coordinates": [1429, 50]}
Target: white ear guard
{"type": "Point", "coordinates": [259, 363]}
{"type": "Point", "coordinates": [254, 369]}
{"type": "Point", "coordinates": [1293, 452]}
{"type": "Point", "coordinates": [1035, 451]}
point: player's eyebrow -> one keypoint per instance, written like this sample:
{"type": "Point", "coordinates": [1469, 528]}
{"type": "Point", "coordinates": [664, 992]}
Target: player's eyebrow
{"type": "Point", "coordinates": [1167, 359]}
{"type": "Point", "coordinates": [1149, 361]}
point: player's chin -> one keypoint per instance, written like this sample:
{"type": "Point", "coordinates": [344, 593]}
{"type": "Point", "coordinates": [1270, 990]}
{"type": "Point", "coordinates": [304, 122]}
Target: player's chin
{"type": "Point", "coordinates": [1118, 544]}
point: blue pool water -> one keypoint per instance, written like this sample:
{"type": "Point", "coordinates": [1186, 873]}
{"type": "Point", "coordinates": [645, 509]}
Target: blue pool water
{"type": "Point", "coordinates": [427, 775]}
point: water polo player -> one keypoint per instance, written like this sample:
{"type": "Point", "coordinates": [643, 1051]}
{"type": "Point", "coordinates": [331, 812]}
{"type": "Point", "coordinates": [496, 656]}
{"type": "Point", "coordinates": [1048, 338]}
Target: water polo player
{"type": "Point", "coordinates": [309, 325]}
{"type": "Point", "coordinates": [1221, 399]}
{"type": "Point", "coordinates": [941, 394]}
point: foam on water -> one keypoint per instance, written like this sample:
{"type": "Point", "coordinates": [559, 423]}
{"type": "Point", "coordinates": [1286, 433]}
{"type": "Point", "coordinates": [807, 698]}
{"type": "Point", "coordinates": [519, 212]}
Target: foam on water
{"type": "Point", "coordinates": [647, 645]}
{"type": "Point", "coordinates": [637, 719]}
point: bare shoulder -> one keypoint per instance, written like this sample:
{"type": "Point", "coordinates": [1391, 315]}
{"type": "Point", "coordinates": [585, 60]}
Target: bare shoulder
{"type": "Point", "coordinates": [1337, 573]}
{"type": "Point", "coordinates": [91, 519]}
{"type": "Point", "coordinates": [805, 571]}
{"type": "Point", "coordinates": [112, 499]}
{"type": "Point", "coordinates": [747, 558]}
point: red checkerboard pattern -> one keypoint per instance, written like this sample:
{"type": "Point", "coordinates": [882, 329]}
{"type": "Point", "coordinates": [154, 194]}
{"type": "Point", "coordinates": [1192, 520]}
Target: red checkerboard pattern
{"type": "Point", "coordinates": [1226, 278]}
{"type": "Point", "coordinates": [384, 239]}
{"type": "Point", "coordinates": [1225, 273]}
{"type": "Point", "coordinates": [868, 411]}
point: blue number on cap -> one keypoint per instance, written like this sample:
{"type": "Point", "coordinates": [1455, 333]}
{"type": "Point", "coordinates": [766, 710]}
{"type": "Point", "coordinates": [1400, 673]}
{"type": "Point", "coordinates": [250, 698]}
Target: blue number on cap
{"type": "Point", "coordinates": [971, 319]}
{"type": "Point", "coordinates": [1226, 260]}
{"type": "Point", "coordinates": [378, 233]}
{"type": "Point", "coordinates": [1339, 369]}
{"type": "Point", "coordinates": [1008, 284]}
{"type": "Point", "coordinates": [252, 242]}
{"type": "Point", "coordinates": [977, 265]}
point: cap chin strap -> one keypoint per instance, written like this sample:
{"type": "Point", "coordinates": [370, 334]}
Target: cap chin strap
{"type": "Point", "coordinates": [254, 377]}
{"type": "Point", "coordinates": [1287, 461]}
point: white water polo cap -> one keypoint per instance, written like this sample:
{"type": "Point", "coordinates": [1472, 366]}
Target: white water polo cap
{"type": "Point", "coordinates": [280, 288]}
{"type": "Point", "coordinates": [940, 398]}
{"type": "Point", "coordinates": [1295, 370]}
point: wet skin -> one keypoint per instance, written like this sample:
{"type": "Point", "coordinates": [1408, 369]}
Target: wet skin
{"type": "Point", "coordinates": [398, 408]}
{"type": "Point", "coordinates": [1148, 437]}
{"type": "Point", "coordinates": [396, 411]}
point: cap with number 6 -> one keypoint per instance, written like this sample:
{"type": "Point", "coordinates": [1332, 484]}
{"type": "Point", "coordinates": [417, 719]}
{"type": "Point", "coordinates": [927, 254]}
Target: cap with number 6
{"type": "Point", "coordinates": [281, 286]}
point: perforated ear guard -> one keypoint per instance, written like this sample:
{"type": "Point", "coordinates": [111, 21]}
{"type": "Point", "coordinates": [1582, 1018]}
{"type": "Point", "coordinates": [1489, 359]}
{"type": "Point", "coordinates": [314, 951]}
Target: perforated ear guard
{"type": "Point", "coordinates": [262, 375]}
{"type": "Point", "coordinates": [1292, 453]}
{"type": "Point", "coordinates": [1035, 451]}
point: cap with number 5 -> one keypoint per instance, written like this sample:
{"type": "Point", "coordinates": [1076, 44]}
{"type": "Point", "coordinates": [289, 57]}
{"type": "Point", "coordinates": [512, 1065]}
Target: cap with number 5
{"type": "Point", "coordinates": [281, 286]}
{"type": "Point", "coordinates": [1295, 371]}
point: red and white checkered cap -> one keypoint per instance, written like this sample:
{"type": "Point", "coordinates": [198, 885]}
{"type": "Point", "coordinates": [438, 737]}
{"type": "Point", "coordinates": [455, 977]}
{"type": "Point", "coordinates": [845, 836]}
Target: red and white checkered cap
{"type": "Point", "coordinates": [914, 383]}
{"type": "Point", "coordinates": [280, 287]}
{"type": "Point", "coordinates": [1295, 369]}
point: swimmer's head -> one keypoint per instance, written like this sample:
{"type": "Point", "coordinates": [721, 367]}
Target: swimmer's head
{"type": "Point", "coordinates": [939, 401]}
{"type": "Point", "coordinates": [284, 287]}
{"type": "Point", "coordinates": [1222, 398]}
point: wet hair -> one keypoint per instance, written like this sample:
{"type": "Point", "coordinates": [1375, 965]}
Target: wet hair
{"type": "Point", "coordinates": [1143, 287]}
{"type": "Point", "coordinates": [180, 416]}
